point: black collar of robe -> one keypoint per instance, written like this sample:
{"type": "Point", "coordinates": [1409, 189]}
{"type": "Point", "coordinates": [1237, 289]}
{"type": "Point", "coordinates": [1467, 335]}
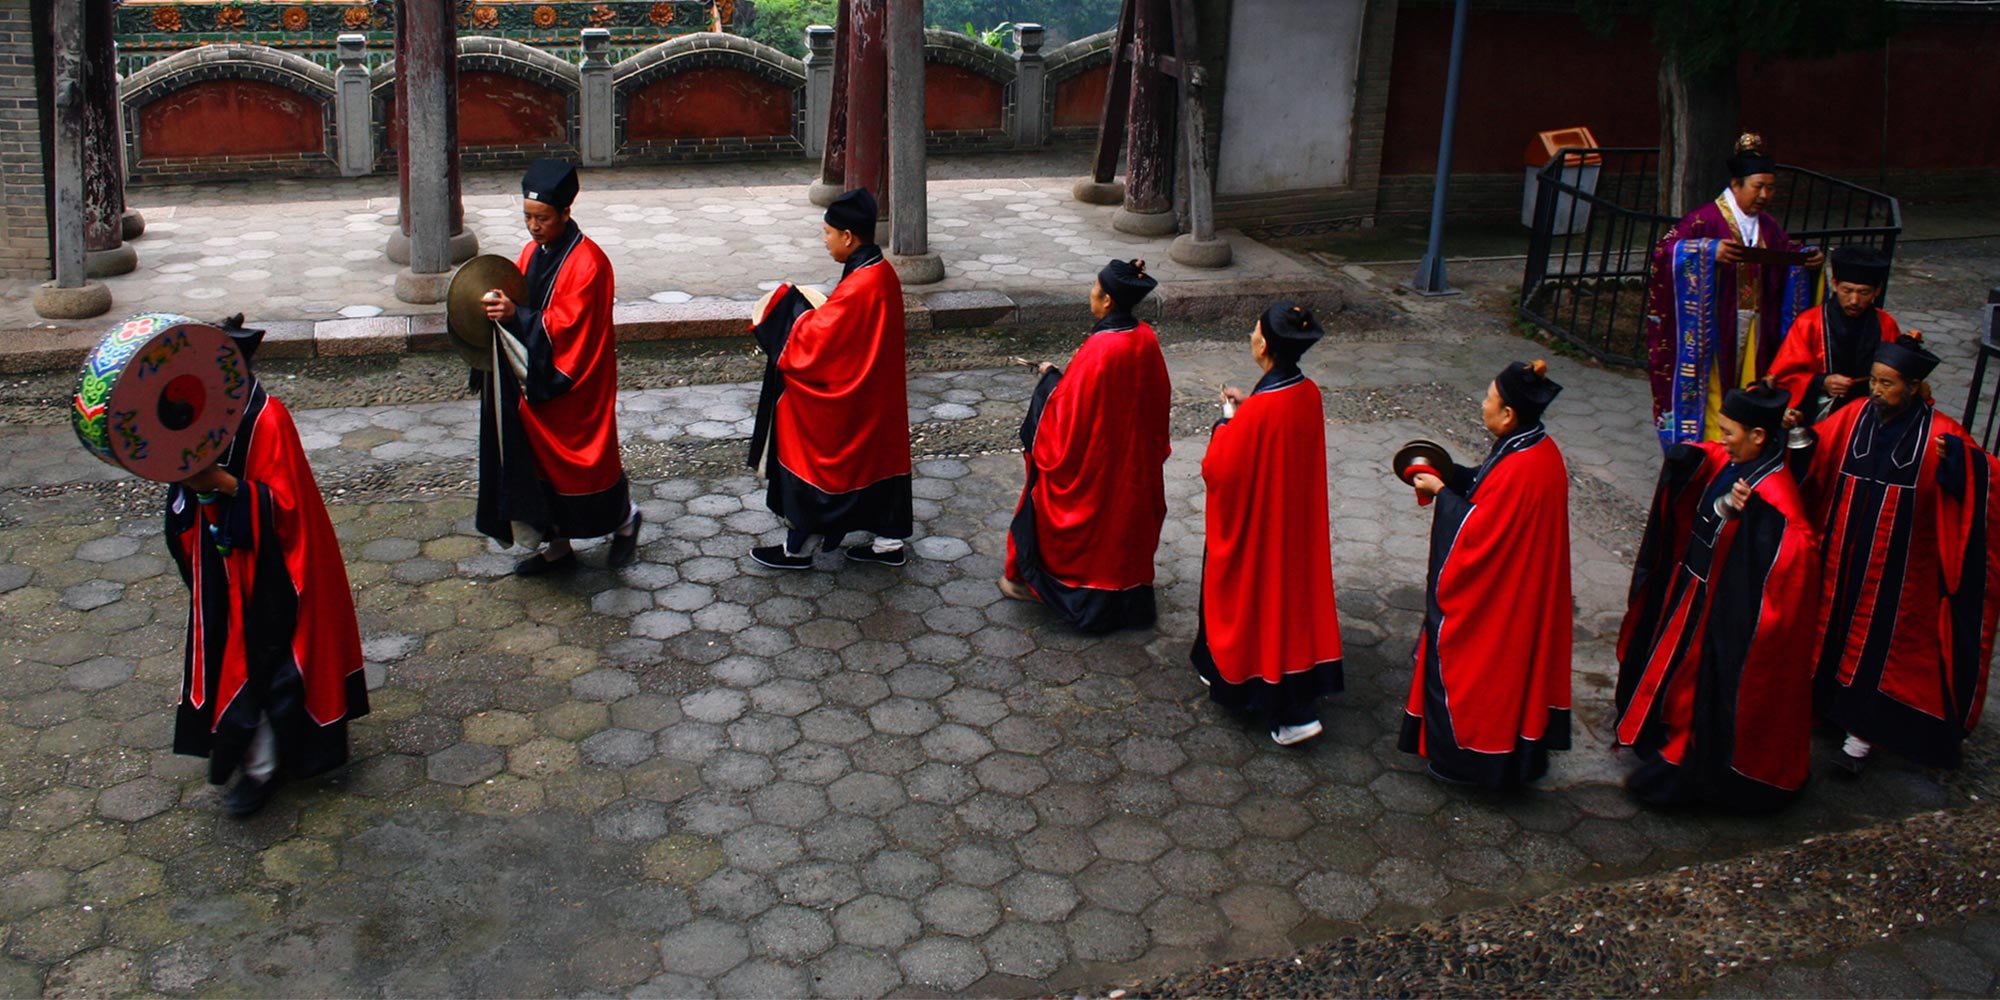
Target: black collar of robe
{"type": "Point", "coordinates": [1281, 376]}
{"type": "Point", "coordinates": [1115, 320]}
{"type": "Point", "coordinates": [1518, 440]}
{"type": "Point", "coordinates": [546, 262]}
{"type": "Point", "coordinates": [863, 255]}
{"type": "Point", "coordinates": [1752, 472]}
{"type": "Point", "coordinates": [1851, 342]}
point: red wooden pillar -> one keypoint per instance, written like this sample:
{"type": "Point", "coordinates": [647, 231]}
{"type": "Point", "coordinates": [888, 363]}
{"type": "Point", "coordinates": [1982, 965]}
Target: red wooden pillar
{"type": "Point", "coordinates": [868, 98]}
{"type": "Point", "coordinates": [434, 44]}
{"type": "Point", "coordinates": [833, 158]}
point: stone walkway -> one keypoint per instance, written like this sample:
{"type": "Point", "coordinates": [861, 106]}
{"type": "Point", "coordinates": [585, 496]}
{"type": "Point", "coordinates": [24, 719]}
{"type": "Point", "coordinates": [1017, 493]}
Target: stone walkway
{"type": "Point", "coordinates": [694, 777]}
{"type": "Point", "coordinates": [1956, 959]}
{"type": "Point", "coordinates": [313, 250]}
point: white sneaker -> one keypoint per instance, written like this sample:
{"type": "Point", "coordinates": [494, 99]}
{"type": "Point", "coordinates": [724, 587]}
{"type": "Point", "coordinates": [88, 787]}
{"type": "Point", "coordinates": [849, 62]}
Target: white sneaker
{"type": "Point", "coordinates": [1286, 736]}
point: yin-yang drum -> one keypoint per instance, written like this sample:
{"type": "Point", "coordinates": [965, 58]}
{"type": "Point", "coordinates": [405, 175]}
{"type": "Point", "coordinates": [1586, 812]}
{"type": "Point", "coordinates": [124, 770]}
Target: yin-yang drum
{"type": "Point", "coordinates": [160, 396]}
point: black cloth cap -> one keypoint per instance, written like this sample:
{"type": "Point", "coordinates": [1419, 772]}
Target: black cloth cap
{"type": "Point", "coordinates": [854, 212]}
{"type": "Point", "coordinates": [551, 182]}
{"type": "Point", "coordinates": [1906, 354]}
{"type": "Point", "coordinates": [1745, 164]}
{"type": "Point", "coordinates": [1289, 329]}
{"type": "Point", "coordinates": [1525, 391]}
{"type": "Point", "coordinates": [1860, 264]}
{"type": "Point", "coordinates": [245, 339]}
{"type": "Point", "coordinates": [1758, 406]}
{"type": "Point", "coordinates": [1126, 282]}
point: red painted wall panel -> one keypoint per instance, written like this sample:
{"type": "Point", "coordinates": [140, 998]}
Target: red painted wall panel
{"type": "Point", "coordinates": [710, 102]}
{"type": "Point", "coordinates": [956, 98]}
{"type": "Point", "coordinates": [1527, 71]}
{"type": "Point", "coordinates": [495, 109]}
{"type": "Point", "coordinates": [231, 118]}
{"type": "Point", "coordinates": [1080, 99]}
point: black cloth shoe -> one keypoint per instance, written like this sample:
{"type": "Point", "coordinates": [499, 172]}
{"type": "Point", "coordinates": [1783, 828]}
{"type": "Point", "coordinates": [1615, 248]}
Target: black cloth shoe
{"type": "Point", "coordinates": [535, 565]}
{"type": "Point", "coordinates": [249, 795]}
{"type": "Point", "coordinates": [625, 548]}
{"type": "Point", "coordinates": [774, 556]}
{"type": "Point", "coordinates": [1849, 763]}
{"type": "Point", "coordinates": [865, 553]}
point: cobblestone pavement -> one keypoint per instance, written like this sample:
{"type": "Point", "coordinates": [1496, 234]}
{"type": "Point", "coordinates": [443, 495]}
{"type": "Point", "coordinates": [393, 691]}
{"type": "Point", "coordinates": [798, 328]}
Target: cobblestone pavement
{"type": "Point", "coordinates": [312, 250]}
{"type": "Point", "coordinates": [694, 777]}
{"type": "Point", "coordinates": [1954, 960]}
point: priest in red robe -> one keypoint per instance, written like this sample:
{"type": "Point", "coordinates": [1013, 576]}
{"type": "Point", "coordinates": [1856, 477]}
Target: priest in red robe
{"type": "Point", "coordinates": [1490, 695]}
{"type": "Point", "coordinates": [1268, 642]}
{"type": "Point", "coordinates": [1715, 655]}
{"type": "Point", "coordinates": [1830, 349]}
{"type": "Point", "coordinates": [1911, 582]}
{"type": "Point", "coordinates": [1095, 443]}
{"type": "Point", "coordinates": [273, 667]}
{"type": "Point", "coordinates": [832, 433]}
{"type": "Point", "coordinates": [549, 468]}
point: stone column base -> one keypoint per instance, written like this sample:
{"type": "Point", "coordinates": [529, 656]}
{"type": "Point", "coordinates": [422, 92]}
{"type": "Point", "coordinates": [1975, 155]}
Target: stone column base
{"type": "Point", "coordinates": [917, 269]}
{"type": "Point", "coordinates": [134, 224]}
{"type": "Point", "coordinates": [464, 247]}
{"type": "Point", "coordinates": [1145, 223]}
{"type": "Point", "coordinates": [1094, 192]}
{"type": "Point", "coordinates": [120, 259]}
{"type": "Point", "coordinates": [422, 289]}
{"type": "Point", "coordinates": [1201, 253]}
{"type": "Point", "coordinates": [82, 302]}
{"type": "Point", "coordinates": [823, 192]}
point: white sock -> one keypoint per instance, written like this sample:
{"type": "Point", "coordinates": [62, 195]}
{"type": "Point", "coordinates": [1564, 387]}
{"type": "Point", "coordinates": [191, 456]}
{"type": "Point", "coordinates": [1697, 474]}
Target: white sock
{"type": "Point", "coordinates": [1856, 747]}
{"type": "Point", "coordinates": [886, 545]}
{"type": "Point", "coordinates": [631, 521]}
{"type": "Point", "coordinates": [261, 760]}
{"type": "Point", "coordinates": [556, 549]}
{"type": "Point", "coordinates": [812, 546]}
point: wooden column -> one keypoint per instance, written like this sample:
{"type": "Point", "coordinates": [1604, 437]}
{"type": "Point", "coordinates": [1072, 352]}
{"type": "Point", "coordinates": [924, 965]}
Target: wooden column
{"type": "Point", "coordinates": [868, 99]}
{"type": "Point", "coordinates": [103, 173]}
{"type": "Point", "coordinates": [428, 47]}
{"type": "Point", "coordinates": [1149, 153]}
{"type": "Point", "coordinates": [72, 295]}
{"type": "Point", "coordinates": [909, 238]}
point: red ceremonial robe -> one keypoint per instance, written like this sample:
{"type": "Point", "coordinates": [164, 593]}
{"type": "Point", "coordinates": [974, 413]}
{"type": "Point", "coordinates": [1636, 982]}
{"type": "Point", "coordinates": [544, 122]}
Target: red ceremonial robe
{"type": "Point", "coordinates": [1489, 697]}
{"type": "Point", "coordinates": [271, 629]}
{"type": "Point", "coordinates": [1822, 342]}
{"type": "Point", "coordinates": [1096, 443]}
{"type": "Point", "coordinates": [1911, 582]}
{"type": "Point", "coordinates": [834, 412]}
{"type": "Point", "coordinates": [1714, 657]}
{"type": "Point", "coordinates": [548, 435]}
{"type": "Point", "coordinates": [1268, 641]}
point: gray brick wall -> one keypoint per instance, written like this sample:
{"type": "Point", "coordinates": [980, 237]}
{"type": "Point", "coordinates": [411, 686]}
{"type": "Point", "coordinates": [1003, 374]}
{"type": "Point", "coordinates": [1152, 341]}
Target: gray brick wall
{"type": "Point", "coordinates": [24, 220]}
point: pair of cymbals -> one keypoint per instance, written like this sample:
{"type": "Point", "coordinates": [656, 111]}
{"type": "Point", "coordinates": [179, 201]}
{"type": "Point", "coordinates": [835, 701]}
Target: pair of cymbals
{"type": "Point", "coordinates": [1420, 455]}
{"type": "Point", "coordinates": [465, 322]}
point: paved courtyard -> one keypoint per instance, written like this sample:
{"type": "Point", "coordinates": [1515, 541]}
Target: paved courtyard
{"type": "Point", "coordinates": [695, 777]}
{"type": "Point", "coordinates": [313, 250]}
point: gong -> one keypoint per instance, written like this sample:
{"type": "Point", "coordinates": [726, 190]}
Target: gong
{"type": "Point", "coordinates": [160, 396]}
{"type": "Point", "coordinates": [465, 322]}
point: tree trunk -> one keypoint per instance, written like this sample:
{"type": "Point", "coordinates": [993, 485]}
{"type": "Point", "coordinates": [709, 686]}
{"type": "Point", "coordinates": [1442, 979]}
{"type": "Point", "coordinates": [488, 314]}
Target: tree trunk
{"type": "Point", "coordinates": [1698, 130]}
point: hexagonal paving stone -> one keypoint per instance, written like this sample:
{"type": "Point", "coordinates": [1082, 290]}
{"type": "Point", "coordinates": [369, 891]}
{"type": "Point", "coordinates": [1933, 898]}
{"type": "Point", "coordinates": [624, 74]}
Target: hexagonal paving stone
{"type": "Point", "coordinates": [464, 764]}
{"type": "Point", "coordinates": [943, 963]}
{"type": "Point", "coordinates": [704, 948]}
{"type": "Point", "coordinates": [876, 922]}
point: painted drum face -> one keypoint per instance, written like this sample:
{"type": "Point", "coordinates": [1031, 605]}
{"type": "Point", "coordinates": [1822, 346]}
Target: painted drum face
{"type": "Point", "coordinates": [160, 396]}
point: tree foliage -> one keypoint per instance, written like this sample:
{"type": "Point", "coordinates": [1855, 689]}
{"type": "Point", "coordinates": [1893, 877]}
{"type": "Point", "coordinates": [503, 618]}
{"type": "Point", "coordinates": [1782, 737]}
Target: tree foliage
{"type": "Point", "coordinates": [782, 24]}
{"type": "Point", "coordinates": [1709, 35]}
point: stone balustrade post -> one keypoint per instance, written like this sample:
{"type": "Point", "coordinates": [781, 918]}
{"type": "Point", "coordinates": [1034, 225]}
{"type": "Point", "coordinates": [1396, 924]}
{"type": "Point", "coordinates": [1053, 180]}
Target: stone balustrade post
{"type": "Point", "coordinates": [598, 139]}
{"type": "Point", "coordinates": [353, 124]}
{"type": "Point", "coordinates": [1030, 87]}
{"type": "Point", "coordinates": [819, 86]}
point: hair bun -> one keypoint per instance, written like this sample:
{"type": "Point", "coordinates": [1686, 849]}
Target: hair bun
{"type": "Point", "coordinates": [1139, 265]}
{"type": "Point", "coordinates": [1539, 367]}
{"type": "Point", "coordinates": [1916, 335]}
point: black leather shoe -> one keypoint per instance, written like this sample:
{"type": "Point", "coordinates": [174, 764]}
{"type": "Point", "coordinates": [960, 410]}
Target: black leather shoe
{"type": "Point", "coordinates": [625, 548]}
{"type": "Point", "coordinates": [774, 556]}
{"type": "Point", "coordinates": [865, 553]}
{"type": "Point", "coordinates": [249, 795]}
{"type": "Point", "coordinates": [1849, 763]}
{"type": "Point", "coordinates": [535, 565]}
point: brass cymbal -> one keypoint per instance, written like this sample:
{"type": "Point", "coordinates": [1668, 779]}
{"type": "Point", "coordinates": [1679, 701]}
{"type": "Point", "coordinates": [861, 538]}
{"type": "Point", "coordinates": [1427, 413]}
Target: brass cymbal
{"type": "Point", "coordinates": [1420, 455]}
{"type": "Point", "coordinates": [471, 333]}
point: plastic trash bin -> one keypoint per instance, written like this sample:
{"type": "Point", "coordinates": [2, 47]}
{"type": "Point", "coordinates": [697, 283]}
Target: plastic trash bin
{"type": "Point", "coordinates": [1580, 170]}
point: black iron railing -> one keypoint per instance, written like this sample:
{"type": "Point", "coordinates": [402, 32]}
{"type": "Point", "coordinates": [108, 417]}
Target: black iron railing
{"type": "Point", "coordinates": [1597, 221]}
{"type": "Point", "coordinates": [1989, 349]}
